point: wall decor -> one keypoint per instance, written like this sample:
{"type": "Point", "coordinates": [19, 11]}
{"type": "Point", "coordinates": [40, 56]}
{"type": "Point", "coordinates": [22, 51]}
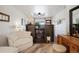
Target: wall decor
{"type": "Point", "coordinates": [48, 22]}
{"type": "Point", "coordinates": [59, 21]}
{"type": "Point", "coordinates": [4, 17]}
{"type": "Point", "coordinates": [23, 21]}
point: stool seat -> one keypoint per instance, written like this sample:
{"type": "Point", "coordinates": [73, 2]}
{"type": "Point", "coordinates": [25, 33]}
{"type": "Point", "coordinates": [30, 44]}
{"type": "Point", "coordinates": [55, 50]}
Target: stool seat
{"type": "Point", "coordinates": [59, 48]}
{"type": "Point", "coordinates": [8, 50]}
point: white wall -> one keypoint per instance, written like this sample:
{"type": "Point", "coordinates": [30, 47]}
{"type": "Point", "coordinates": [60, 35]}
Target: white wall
{"type": "Point", "coordinates": [15, 17]}
{"type": "Point", "coordinates": [62, 28]}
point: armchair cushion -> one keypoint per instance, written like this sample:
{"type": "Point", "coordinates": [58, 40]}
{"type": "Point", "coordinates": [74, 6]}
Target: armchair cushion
{"type": "Point", "coordinates": [3, 40]}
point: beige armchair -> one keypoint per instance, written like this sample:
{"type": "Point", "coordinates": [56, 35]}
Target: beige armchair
{"type": "Point", "coordinates": [4, 47]}
{"type": "Point", "coordinates": [20, 39]}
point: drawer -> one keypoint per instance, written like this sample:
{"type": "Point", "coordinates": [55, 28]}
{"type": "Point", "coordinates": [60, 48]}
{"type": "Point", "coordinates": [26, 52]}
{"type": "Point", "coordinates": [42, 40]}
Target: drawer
{"type": "Point", "coordinates": [65, 42]}
{"type": "Point", "coordinates": [73, 48]}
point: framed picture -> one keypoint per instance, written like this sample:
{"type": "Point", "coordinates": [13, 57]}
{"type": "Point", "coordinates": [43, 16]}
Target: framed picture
{"type": "Point", "coordinates": [48, 22]}
{"type": "Point", "coordinates": [4, 17]}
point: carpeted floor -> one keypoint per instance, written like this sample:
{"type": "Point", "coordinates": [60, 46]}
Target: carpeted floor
{"type": "Point", "coordinates": [39, 48]}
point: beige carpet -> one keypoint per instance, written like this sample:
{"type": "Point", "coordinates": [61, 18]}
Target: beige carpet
{"type": "Point", "coordinates": [39, 48]}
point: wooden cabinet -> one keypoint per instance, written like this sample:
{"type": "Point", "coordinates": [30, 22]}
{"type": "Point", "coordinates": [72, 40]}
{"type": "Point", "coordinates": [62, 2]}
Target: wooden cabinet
{"type": "Point", "coordinates": [71, 43]}
{"type": "Point", "coordinates": [40, 34]}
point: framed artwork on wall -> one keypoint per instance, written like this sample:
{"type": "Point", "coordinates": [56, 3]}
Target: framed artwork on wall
{"type": "Point", "coordinates": [23, 21]}
{"type": "Point", "coordinates": [4, 17]}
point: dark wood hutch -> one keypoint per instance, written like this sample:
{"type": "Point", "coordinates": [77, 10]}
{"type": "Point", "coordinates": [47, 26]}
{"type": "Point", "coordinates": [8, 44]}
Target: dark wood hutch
{"type": "Point", "coordinates": [40, 34]}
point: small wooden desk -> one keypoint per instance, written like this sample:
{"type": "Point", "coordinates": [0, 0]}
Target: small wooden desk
{"type": "Point", "coordinates": [71, 43]}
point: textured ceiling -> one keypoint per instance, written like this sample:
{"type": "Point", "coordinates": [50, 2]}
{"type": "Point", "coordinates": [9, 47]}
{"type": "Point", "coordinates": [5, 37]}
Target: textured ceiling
{"type": "Point", "coordinates": [49, 10]}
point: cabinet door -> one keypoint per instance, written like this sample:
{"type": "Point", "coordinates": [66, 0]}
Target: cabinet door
{"type": "Point", "coordinates": [49, 30]}
{"type": "Point", "coordinates": [59, 39]}
{"type": "Point", "coordinates": [73, 48]}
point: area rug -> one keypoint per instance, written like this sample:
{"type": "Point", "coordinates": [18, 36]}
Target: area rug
{"type": "Point", "coordinates": [39, 48]}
